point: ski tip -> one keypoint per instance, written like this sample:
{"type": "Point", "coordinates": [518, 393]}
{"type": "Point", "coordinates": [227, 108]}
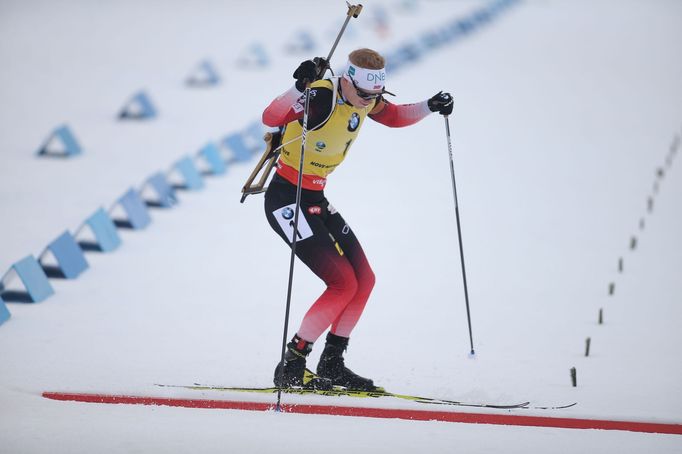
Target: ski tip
{"type": "Point", "coordinates": [558, 407]}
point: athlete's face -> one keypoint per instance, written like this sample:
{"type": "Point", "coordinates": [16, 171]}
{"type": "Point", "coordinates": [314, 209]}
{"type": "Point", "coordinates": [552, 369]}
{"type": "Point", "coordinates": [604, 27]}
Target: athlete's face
{"type": "Point", "coordinates": [358, 98]}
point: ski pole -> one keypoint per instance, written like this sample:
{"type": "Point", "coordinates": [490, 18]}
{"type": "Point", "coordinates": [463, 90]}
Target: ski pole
{"type": "Point", "coordinates": [353, 11]}
{"type": "Point", "coordinates": [459, 232]}
{"type": "Point", "coordinates": [294, 238]}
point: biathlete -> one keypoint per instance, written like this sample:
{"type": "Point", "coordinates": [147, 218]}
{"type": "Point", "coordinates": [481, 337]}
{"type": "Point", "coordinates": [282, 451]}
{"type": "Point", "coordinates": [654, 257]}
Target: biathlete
{"type": "Point", "coordinates": [326, 244]}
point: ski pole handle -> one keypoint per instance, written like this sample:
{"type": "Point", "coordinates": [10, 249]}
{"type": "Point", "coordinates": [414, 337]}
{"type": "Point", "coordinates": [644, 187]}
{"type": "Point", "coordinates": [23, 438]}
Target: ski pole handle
{"type": "Point", "coordinates": [354, 10]}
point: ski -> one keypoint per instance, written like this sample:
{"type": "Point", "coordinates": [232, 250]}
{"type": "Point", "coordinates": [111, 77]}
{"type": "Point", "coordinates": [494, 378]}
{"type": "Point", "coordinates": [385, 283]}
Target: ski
{"type": "Point", "coordinates": [337, 391]}
{"type": "Point", "coordinates": [554, 407]}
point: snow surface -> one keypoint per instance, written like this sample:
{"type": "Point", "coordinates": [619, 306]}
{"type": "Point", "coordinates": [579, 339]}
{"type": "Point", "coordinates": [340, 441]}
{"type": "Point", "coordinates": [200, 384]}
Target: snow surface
{"type": "Point", "coordinates": [564, 112]}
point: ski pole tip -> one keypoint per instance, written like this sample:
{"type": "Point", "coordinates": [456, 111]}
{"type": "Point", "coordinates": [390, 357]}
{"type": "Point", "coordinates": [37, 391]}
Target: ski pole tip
{"type": "Point", "coordinates": [472, 355]}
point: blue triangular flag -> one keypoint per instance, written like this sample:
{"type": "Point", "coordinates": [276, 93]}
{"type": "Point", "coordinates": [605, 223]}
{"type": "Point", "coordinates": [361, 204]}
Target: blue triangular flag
{"type": "Point", "coordinates": [254, 56]}
{"type": "Point", "coordinates": [4, 312]}
{"type": "Point", "coordinates": [60, 143]}
{"type": "Point", "coordinates": [189, 173]}
{"type": "Point", "coordinates": [302, 42]}
{"type": "Point", "coordinates": [204, 75]}
{"type": "Point", "coordinates": [138, 107]}
{"type": "Point", "coordinates": [33, 278]}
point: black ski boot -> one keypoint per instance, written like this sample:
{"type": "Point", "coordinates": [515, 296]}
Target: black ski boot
{"type": "Point", "coordinates": [332, 366]}
{"type": "Point", "coordinates": [293, 372]}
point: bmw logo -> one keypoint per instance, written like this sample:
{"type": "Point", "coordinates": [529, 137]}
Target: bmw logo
{"type": "Point", "coordinates": [354, 122]}
{"type": "Point", "coordinates": [319, 146]}
{"type": "Point", "coordinates": [287, 213]}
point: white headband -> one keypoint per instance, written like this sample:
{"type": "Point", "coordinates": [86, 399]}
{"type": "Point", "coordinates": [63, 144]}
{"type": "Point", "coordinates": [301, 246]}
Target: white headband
{"type": "Point", "coordinates": [366, 79]}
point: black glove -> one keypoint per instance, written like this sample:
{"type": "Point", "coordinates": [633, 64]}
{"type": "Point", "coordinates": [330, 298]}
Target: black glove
{"type": "Point", "coordinates": [441, 103]}
{"type": "Point", "coordinates": [309, 71]}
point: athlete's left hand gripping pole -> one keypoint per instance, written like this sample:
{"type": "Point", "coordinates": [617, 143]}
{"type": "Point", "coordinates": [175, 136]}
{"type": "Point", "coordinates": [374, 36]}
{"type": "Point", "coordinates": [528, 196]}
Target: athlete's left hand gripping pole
{"type": "Point", "coordinates": [353, 11]}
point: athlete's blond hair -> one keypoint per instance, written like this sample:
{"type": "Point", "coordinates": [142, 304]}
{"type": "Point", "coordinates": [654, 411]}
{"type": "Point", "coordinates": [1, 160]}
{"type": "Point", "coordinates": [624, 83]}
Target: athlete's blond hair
{"type": "Point", "coordinates": [367, 58]}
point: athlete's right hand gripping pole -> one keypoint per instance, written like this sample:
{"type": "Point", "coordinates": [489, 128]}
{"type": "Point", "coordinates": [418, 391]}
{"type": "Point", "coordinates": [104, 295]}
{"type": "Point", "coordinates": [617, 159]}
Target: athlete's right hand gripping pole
{"type": "Point", "coordinates": [353, 11]}
{"type": "Point", "coordinates": [459, 232]}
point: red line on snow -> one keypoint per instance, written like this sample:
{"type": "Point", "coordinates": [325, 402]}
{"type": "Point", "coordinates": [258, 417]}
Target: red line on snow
{"type": "Point", "coordinates": [417, 415]}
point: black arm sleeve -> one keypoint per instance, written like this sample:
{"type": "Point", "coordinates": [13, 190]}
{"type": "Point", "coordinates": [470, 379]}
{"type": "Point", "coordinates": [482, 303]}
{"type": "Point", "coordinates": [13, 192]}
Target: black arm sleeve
{"type": "Point", "coordinates": [319, 107]}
